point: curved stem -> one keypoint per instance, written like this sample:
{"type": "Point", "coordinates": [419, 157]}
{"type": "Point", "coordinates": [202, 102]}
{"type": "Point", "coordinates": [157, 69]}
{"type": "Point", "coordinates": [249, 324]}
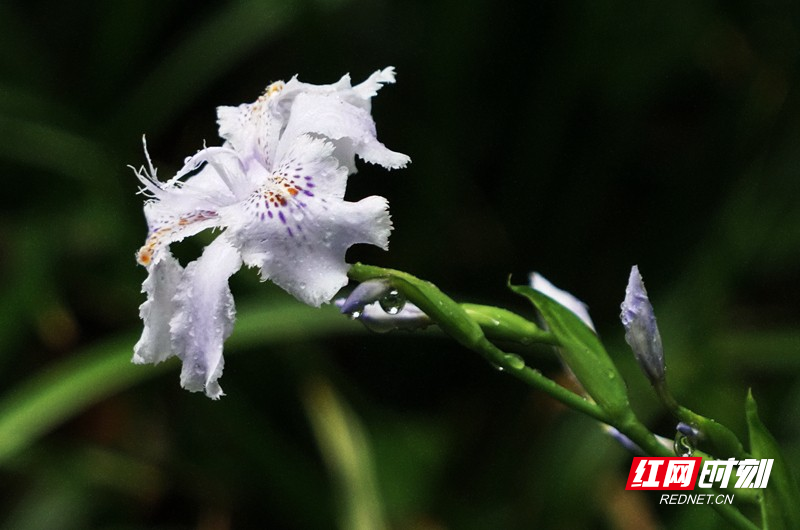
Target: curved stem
{"type": "Point", "coordinates": [722, 438]}
{"type": "Point", "coordinates": [515, 366]}
{"type": "Point", "coordinates": [504, 325]}
{"type": "Point", "coordinates": [467, 323]}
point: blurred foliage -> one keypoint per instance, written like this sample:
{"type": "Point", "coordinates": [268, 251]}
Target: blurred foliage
{"type": "Point", "coordinates": [575, 138]}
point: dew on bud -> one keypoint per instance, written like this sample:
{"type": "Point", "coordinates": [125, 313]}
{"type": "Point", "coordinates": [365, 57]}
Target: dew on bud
{"type": "Point", "coordinates": [393, 302]}
{"type": "Point", "coordinates": [683, 445]}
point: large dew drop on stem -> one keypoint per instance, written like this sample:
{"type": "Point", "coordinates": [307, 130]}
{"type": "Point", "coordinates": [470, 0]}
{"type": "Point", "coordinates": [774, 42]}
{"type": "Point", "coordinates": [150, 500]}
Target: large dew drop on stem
{"type": "Point", "coordinates": [393, 302]}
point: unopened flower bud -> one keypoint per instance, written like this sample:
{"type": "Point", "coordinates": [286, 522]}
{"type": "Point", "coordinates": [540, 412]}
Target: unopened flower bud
{"type": "Point", "coordinates": [641, 330]}
{"type": "Point", "coordinates": [364, 294]}
{"type": "Point", "coordinates": [380, 307]}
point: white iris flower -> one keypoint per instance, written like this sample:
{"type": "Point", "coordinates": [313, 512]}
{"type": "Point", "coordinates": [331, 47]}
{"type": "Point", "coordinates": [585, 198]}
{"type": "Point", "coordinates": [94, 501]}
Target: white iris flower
{"type": "Point", "coordinates": [276, 187]}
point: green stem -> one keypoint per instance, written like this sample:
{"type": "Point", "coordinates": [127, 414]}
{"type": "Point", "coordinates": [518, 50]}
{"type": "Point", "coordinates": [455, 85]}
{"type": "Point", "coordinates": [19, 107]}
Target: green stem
{"type": "Point", "coordinates": [469, 325]}
{"type": "Point", "coordinates": [503, 325]}
{"type": "Point", "coordinates": [455, 320]}
{"type": "Point", "coordinates": [515, 366]}
{"type": "Point", "coordinates": [722, 438]}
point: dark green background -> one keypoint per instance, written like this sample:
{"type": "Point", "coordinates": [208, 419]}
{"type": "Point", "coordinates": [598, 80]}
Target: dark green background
{"type": "Point", "coordinates": [574, 138]}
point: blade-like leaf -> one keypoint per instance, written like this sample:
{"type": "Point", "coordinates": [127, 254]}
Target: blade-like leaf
{"type": "Point", "coordinates": [51, 397]}
{"type": "Point", "coordinates": [780, 504]}
{"type": "Point", "coordinates": [582, 352]}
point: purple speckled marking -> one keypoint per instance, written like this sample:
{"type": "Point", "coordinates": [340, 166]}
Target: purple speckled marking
{"type": "Point", "coordinates": [308, 193]}
{"type": "Point", "coordinates": [262, 216]}
{"type": "Point", "coordinates": [299, 228]}
{"type": "Point", "coordinates": [310, 184]}
{"type": "Point", "coordinates": [282, 217]}
{"type": "Point", "coordinates": [270, 214]}
{"type": "Point", "coordinates": [290, 231]}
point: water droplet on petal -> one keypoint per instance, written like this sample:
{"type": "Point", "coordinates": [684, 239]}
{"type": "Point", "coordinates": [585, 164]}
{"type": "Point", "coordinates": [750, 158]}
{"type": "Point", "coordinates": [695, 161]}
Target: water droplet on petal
{"type": "Point", "coordinates": [393, 302]}
{"type": "Point", "coordinates": [355, 315]}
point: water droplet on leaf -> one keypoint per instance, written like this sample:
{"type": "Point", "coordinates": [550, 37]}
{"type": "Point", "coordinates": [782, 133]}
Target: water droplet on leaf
{"type": "Point", "coordinates": [514, 361]}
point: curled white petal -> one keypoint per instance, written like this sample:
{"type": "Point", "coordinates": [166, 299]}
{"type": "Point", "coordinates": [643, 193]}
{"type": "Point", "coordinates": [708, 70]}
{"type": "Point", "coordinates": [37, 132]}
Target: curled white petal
{"type": "Point", "coordinates": [161, 284]}
{"type": "Point", "coordinates": [369, 88]}
{"type": "Point", "coordinates": [252, 129]}
{"type": "Point", "coordinates": [540, 283]}
{"type": "Point", "coordinates": [204, 316]}
{"type": "Point", "coordinates": [349, 125]}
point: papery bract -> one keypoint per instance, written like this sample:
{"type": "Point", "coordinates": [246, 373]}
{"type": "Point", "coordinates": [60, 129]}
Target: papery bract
{"type": "Point", "coordinates": [276, 187]}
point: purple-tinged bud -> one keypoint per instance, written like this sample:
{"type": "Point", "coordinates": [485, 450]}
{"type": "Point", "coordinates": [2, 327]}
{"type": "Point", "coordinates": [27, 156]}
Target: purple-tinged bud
{"type": "Point", "coordinates": [376, 318]}
{"type": "Point", "coordinates": [688, 430]}
{"type": "Point", "coordinates": [364, 294]}
{"type": "Point", "coordinates": [641, 330]}
{"type": "Point", "coordinates": [623, 440]}
{"type": "Point", "coordinates": [380, 307]}
{"type": "Point", "coordinates": [628, 444]}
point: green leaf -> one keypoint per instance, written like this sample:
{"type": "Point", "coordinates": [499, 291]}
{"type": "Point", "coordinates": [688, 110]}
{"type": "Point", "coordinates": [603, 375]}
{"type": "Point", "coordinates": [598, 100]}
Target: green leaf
{"type": "Point", "coordinates": [54, 149]}
{"type": "Point", "coordinates": [780, 504]}
{"type": "Point", "coordinates": [347, 451]}
{"type": "Point", "coordinates": [583, 353]}
{"type": "Point", "coordinates": [61, 391]}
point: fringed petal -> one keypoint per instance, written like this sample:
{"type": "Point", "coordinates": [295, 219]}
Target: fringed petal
{"type": "Point", "coordinates": [204, 316]}
{"type": "Point", "coordinates": [161, 284]}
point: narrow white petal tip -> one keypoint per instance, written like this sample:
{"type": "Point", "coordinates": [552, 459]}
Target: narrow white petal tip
{"type": "Point", "coordinates": [196, 381]}
{"type": "Point", "coordinates": [377, 153]}
{"type": "Point", "coordinates": [541, 284]}
{"type": "Point", "coordinates": [214, 391]}
{"type": "Point", "coordinates": [369, 88]}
